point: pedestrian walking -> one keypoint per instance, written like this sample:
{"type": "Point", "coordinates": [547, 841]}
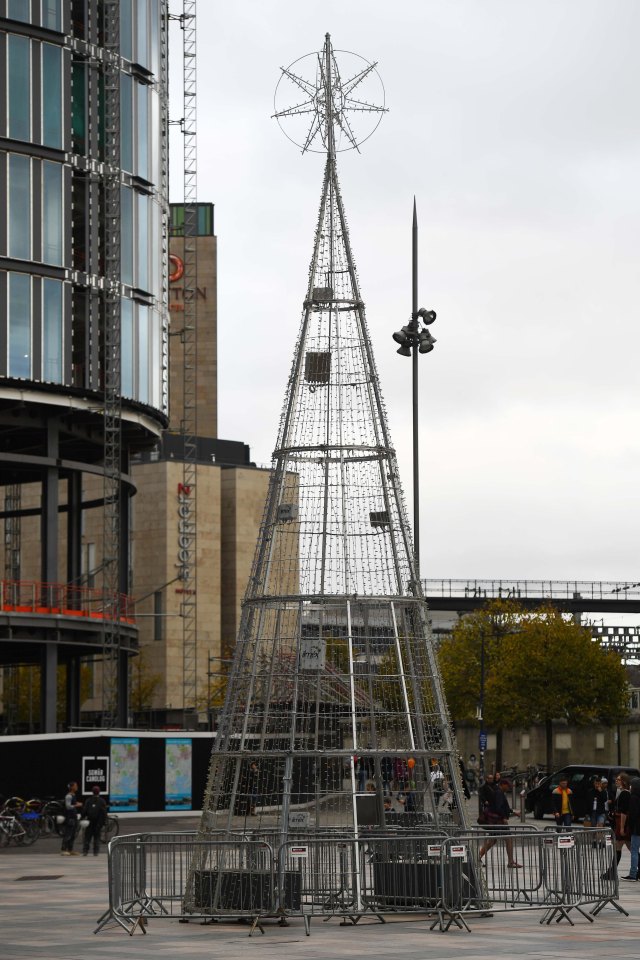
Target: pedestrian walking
{"type": "Point", "coordinates": [485, 793]}
{"type": "Point", "coordinates": [473, 772]}
{"type": "Point", "coordinates": [598, 807]}
{"type": "Point", "coordinates": [400, 772]}
{"type": "Point", "coordinates": [634, 828]}
{"type": "Point", "coordinates": [496, 819]}
{"type": "Point", "coordinates": [464, 779]}
{"type": "Point", "coordinates": [95, 812]}
{"type": "Point", "coordinates": [407, 800]}
{"type": "Point", "coordinates": [619, 818]}
{"type": "Point", "coordinates": [364, 769]}
{"type": "Point", "coordinates": [386, 773]}
{"type": "Point", "coordinates": [253, 776]}
{"type": "Point", "coordinates": [437, 781]}
{"type": "Point", "coordinates": [70, 827]}
{"type": "Point", "coordinates": [562, 808]}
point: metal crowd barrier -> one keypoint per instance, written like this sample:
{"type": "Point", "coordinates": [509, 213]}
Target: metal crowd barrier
{"type": "Point", "coordinates": [181, 876]}
{"type": "Point", "coordinates": [448, 878]}
{"type": "Point", "coordinates": [553, 871]}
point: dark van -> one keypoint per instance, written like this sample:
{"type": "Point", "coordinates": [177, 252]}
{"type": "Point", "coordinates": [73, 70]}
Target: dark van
{"type": "Point", "coordinates": [580, 777]}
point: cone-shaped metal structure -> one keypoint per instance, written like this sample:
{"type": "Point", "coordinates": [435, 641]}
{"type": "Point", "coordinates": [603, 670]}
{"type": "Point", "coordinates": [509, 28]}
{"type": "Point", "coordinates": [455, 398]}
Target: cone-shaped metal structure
{"type": "Point", "coordinates": [334, 704]}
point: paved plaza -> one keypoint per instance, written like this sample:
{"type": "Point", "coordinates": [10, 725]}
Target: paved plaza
{"type": "Point", "coordinates": [49, 907]}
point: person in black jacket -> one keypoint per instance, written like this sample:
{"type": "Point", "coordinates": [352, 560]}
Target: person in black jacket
{"type": "Point", "coordinates": [485, 793]}
{"type": "Point", "coordinates": [618, 816]}
{"type": "Point", "coordinates": [70, 828]}
{"type": "Point", "coordinates": [499, 812]}
{"type": "Point", "coordinates": [95, 811]}
{"type": "Point", "coordinates": [464, 779]}
{"type": "Point", "coordinates": [597, 802]}
{"type": "Point", "coordinates": [634, 828]}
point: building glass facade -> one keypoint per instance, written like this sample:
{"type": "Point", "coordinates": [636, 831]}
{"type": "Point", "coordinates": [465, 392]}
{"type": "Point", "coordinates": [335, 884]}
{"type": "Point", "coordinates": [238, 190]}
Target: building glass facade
{"type": "Point", "coordinates": [52, 227]}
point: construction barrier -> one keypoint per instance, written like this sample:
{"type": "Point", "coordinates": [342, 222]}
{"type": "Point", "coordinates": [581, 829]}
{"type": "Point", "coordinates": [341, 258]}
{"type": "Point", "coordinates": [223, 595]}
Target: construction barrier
{"type": "Point", "coordinates": [449, 879]}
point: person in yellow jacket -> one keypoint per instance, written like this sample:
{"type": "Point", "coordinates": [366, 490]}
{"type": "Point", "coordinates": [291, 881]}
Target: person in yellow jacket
{"type": "Point", "coordinates": [562, 809]}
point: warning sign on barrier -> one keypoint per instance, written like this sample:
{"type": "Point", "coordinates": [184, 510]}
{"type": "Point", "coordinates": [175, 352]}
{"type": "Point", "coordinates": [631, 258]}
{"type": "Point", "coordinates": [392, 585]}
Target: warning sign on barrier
{"type": "Point", "coordinates": [566, 842]}
{"type": "Point", "coordinates": [458, 850]}
{"type": "Point", "coordinates": [299, 851]}
{"type": "Point", "coordinates": [434, 849]}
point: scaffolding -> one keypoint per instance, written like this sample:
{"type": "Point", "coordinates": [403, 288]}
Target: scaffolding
{"type": "Point", "coordinates": [189, 425]}
{"type": "Point", "coordinates": [114, 694]}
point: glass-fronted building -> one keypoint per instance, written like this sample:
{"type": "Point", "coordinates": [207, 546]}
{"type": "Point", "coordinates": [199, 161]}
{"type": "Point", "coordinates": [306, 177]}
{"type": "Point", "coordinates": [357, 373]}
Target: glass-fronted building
{"type": "Point", "coordinates": [83, 269]}
{"type": "Point", "coordinates": [52, 217]}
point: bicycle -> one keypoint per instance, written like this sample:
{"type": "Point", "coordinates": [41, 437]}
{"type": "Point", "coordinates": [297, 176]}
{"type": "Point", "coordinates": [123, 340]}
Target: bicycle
{"type": "Point", "coordinates": [110, 829]}
{"type": "Point", "coordinates": [49, 810]}
{"type": "Point", "coordinates": [53, 817]}
{"type": "Point", "coordinates": [26, 818]}
{"type": "Point", "coordinates": [20, 830]}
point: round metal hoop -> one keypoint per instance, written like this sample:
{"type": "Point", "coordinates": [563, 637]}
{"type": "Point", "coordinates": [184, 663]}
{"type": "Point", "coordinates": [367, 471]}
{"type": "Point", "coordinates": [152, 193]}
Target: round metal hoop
{"type": "Point", "coordinates": [331, 109]}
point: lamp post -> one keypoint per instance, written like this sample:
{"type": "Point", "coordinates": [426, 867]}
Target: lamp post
{"type": "Point", "coordinates": [482, 736]}
{"type": "Point", "coordinates": [414, 339]}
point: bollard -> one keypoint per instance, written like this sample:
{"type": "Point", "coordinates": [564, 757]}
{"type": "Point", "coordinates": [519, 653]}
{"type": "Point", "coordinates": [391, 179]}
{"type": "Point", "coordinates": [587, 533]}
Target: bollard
{"type": "Point", "coordinates": [523, 812]}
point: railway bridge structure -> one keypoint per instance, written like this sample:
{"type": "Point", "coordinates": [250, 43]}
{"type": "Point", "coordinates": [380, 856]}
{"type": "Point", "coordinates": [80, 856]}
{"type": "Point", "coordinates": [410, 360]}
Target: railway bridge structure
{"type": "Point", "coordinates": [578, 597]}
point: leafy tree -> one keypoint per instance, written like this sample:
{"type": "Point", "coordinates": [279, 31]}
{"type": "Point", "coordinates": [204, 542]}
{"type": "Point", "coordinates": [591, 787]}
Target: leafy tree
{"type": "Point", "coordinates": [554, 670]}
{"type": "Point", "coordinates": [475, 646]}
{"type": "Point", "coordinates": [539, 667]}
{"type": "Point", "coordinates": [337, 653]}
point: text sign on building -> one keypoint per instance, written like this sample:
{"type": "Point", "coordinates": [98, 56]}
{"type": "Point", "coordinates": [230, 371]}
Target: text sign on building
{"type": "Point", "coordinates": [312, 653]}
{"type": "Point", "coordinates": [95, 773]}
{"type": "Point", "coordinates": [185, 532]}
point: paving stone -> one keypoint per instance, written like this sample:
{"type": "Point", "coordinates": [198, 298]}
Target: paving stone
{"type": "Point", "coordinates": [55, 919]}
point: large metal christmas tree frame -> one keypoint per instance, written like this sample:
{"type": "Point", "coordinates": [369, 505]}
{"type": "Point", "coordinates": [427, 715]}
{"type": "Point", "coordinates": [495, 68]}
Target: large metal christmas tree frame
{"type": "Point", "coordinates": [334, 719]}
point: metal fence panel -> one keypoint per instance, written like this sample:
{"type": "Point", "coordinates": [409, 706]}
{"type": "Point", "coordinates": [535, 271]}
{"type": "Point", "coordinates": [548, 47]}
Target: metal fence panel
{"type": "Point", "coordinates": [449, 877]}
{"type": "Point", "coordinates": [319, 877]}
{"type": "Point", "coordinates": [191, 877]}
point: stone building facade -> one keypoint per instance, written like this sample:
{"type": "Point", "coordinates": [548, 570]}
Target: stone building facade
{"type": "Point", "coordinates": [231, 493]}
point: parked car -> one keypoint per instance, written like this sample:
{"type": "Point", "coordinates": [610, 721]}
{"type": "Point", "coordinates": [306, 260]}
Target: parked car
{"type": "Point", "coordinates": [580, 777]}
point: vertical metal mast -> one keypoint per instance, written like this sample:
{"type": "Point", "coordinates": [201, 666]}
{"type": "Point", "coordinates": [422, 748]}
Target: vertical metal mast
{"type": "Point", "coordinates": [414, 362]}
{"type": "Point", "coordinates": [189, 426]}
{"type": "Point", "coordinates": [113, 699]}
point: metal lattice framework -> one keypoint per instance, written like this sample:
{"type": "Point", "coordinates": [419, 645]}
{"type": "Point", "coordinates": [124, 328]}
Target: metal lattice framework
{"type": "Point", "coordinates": [114, 710]}
{"type": "Point", "coordinates": [189, 606]}
{"type": "Point", "coordinates": [334, 707]}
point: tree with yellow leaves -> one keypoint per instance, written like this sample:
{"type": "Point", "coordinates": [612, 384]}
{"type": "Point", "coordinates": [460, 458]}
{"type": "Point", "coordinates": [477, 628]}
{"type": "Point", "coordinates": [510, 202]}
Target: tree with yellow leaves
{"type": "Point", "coordinates": [539, 666]}
{"type": "Point", "coordinates": [555, 670]}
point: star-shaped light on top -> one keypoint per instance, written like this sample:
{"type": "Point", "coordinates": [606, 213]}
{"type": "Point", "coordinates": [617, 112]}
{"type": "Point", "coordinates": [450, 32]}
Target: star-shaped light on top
{"type": "Point", "coordinates": [332, 111]}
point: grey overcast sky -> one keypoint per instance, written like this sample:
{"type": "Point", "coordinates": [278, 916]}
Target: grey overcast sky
{"type": "Point", "coordinates": [516, 125]}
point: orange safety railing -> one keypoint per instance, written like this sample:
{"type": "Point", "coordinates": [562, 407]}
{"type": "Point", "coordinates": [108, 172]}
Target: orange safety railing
{"type": "Point", "coordinates": [65, 599]}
